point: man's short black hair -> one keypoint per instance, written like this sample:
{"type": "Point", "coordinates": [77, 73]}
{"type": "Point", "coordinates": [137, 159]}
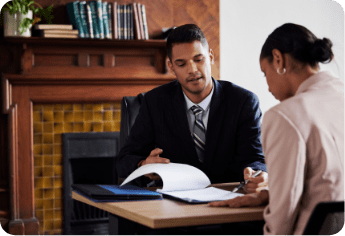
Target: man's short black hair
{"type": "Point", "coordinates": [185, 34]}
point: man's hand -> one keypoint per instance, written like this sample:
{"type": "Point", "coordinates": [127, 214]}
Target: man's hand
{"type": "Point", "coordinates": [154, 158]}
{"type": "Point", "coordinates": [253, 199]}
{"type": "Point", "coordinates": [255, 184]}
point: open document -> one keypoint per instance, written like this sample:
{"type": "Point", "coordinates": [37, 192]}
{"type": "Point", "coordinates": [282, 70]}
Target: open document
{"type": "Point", "coordinates": [183, 182]}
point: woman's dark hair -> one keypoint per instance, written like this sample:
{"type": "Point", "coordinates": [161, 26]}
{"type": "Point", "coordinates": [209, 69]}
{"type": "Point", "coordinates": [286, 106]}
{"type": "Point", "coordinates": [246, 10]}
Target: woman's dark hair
{"type": "Point", "coordinates": [300, 43]}
{"type": "Point", "coordinates": [185, 34]}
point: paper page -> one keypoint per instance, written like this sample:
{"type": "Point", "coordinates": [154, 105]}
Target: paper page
{"type": "Point", "coordinates": [208, 194]}
{"type": "Point", "coordinates": [175, 176]}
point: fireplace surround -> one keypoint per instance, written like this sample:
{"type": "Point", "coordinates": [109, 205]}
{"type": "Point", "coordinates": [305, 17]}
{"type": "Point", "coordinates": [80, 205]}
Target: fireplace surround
{"type": "Point", "coordinates": [66, 71]}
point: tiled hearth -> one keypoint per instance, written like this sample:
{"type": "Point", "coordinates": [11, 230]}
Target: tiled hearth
{"type": "Point", "coordinates": [49, 122]}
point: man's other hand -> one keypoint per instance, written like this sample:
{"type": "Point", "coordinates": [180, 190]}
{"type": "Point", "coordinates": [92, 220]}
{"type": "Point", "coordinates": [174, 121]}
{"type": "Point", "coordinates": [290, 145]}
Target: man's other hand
{"type": "Point", "coordinates": [154, 158]}
{"type": "Point", "coordinates": [255, 184]}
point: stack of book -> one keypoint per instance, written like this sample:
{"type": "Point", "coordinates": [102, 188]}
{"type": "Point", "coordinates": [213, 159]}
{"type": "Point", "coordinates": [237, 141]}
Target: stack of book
{"type": "Point", "coordinates": [55, 31]}
{"type": "Point", "coordinates": [108, 20]}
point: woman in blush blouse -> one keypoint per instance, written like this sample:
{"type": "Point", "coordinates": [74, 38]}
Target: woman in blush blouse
{"type": "Point", "coordinates": [303, 136]}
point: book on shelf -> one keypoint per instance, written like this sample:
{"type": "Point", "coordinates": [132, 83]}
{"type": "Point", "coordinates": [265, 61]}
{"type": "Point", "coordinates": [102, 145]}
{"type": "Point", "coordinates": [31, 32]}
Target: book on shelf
{"type": "Point", "coordinates": [141, 26]}
{"type": "Point", "coordinates": [89, 21]}
{"type": "Point", "coordinates": [114, 17]}
{"type": "Point", "coordinates": [136, 24]}
{"type": "Point", "coordinates": [106, 29]}
{"type": "Point", "coordinates": [94, 19]}
{"type": "Point", "coordinates": [110, 21]}
{"type": "Point", "coordinates": [143, 12]}
{"type": "Point", "coordinates": [83, 18]}
{"type": "Point", "coordinates": [74, 17]}
{"type": "Point", "coordinates": [47, 35]}
{"type": "Point", "coordinates": [100, 18]}
{"type": "Point", "coordinates": [183, 182]}
{"type": "Point", "coordinates": [52, 26]}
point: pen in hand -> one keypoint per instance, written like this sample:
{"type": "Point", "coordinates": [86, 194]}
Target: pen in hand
{"type": "Point", "coordinates": [246, 181]}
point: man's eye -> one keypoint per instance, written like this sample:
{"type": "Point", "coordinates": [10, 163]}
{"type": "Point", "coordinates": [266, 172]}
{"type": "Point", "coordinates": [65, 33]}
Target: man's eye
{"type": "Point", "coordinates": [180, 65]}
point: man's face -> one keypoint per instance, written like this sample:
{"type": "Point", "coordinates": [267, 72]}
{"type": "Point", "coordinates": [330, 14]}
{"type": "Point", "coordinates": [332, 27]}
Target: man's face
{"type": "Point", "coordinates": [191, 63]}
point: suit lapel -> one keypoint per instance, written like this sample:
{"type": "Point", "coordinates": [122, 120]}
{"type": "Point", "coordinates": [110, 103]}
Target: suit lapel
{"type": "Point", "coordinates": [215, 123]}
{"type": "Point", "coordinates": [179, 112]}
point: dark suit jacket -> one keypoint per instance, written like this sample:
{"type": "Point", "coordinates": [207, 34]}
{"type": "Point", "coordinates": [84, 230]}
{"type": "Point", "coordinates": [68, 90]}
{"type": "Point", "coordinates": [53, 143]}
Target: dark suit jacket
{"type": "Point", "coordinates": [233, 137]}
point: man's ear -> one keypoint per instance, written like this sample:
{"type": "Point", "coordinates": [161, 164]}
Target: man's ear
{"type": "Point", "coordinates": [278, 59]}
{"type": "Point", "coordinates": [170, 65]}
{"type": "Point", "coordinates": [211, 56]}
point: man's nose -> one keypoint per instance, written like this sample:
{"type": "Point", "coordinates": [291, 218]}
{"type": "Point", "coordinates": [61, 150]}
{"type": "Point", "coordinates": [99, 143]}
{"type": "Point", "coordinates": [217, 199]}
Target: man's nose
{"type": "Point", "coordinates": [192, 68]}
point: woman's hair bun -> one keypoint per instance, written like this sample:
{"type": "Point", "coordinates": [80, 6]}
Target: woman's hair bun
{"type": "Point", "coordinates": [321, 50]}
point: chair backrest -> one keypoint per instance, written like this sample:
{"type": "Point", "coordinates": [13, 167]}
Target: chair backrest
{"type": "Point", "coordinates": [326, 219]}
{"type": "Point", "coordinates": [130, 106]}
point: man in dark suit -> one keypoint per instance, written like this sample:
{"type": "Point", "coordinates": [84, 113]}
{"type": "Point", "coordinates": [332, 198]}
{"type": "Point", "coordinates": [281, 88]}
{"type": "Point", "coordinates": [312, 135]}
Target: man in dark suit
{"type": "Point", "coordinates": [196, 120]}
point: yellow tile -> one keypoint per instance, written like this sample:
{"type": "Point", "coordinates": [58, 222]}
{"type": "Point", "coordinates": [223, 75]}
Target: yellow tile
{"type": "Point", "coordinates": [58, 170]}
{"type": "Point", "coordinates": [87, 127]}
{"type": "Point", "coordinates": [79, 116]}
{"type": "Point", "coordinates": [88, 115]}
{"type": "Point", "coordinates": [39, 203]}
{"type": "Point", "coordinates": [39, 214]}
{"type": "Point", "coordinates": [48, 171]}
{"type": "Point", "coordinates": [77, 107]}
{"type": "Point", "coordinates": [38, 160]}
{"type": "Point", "coordinates": [59, 116]}
{"type": "Point", "coordinates": [37, 138]}
{"type": "Point", "coordinates": [68, 127]}
{"type": "Point", "coordinates": [108, 115]}
{"type": "Point", "coordinates": [38, 193]}
{"type": "Point", "coordinates": [109, 126]}
{"type": "Point", "coordinates": [37, 108]}
{"type": "Point", "coordinates": [57, 138]}
{"type": "Point", "coordinates": [48, 107]}
{"type": "Point", "coordinates": [117, 126]}
{"type": "Point", "coordinates": [58, 195]}
{"type": "Point", "coordinates": [37, 116]}
{"type": "Point", "coordinates": [97, 107]}
{"type": "Point", "coordinates": [38, 172]}
{"type": "Point", "coordinates": [117, 115]}
{"type": "Point", "coordinates": [58, 128]}
{"type": "Point", "coordinates": [48, 224]}
{"type": "Point", "coordinates": [106, 106]}
{"type": "Point", "coordinates": [88, 107]}
{"type": "Point", "coordinates": [58, 182]}
{"type": "Point", "coordinates": [57, 149]}
{"type": "Point", "coordinates": [78, 127]}
{"type": "Point", "coordinates": [39, 183]}
{"type": "Point", "coordinates": [69, 116]}
{"type": "Point", "coordinates": [57, 214]}
{"type": "Point", "coordinates": [67, 107]}
{"type": "Point", "coordinates": [48, 182]}
{"type": "Point", "coordinates": [48, 116]}
{"type": "Point", "coordinates": [117, 105]}
{"type": "Point", "coordinates": [48, 127]}
{"type": "Point", "coordinates": [97, 127]}
{"type": "Point", "coordinates": [57, 160]}
{"type": "Point", "coordinates": [38, 149]}
{"type": "Point", "coordinates": [38, 127]}
{"type": "Point", "coordinates": [48, 160]}
{"type": "Point", "coordinates": [48, 193]}
{"type": "Point", "coordinates": [98, 116]}
{"type": "Point", "coordinates": [47, 149]}
{"type": "Point", "coordinates": [58, 225]}
{"type": "Point", "coordinates": [58, 107]}
{"type": "Point", "coordinates": [48, 138]}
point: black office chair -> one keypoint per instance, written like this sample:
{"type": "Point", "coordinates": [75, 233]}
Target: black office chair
{"type": "Point", "coordinates": [129, 110]}
{"type": "Point", "coordinates": [326, 219]}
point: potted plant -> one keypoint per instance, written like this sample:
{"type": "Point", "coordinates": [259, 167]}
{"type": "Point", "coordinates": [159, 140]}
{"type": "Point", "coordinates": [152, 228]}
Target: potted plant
{"type": "Point", "coordinates": [20, 15]}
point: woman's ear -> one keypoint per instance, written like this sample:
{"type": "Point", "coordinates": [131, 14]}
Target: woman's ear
{"type": "Point", "coordinates": [278, 59]}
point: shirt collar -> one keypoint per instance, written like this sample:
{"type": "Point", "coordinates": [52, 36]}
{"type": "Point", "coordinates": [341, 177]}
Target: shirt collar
{"type": "Point", "coordinates": [204, 104]}
{"type": "Point", "coordinates": [316, 78]}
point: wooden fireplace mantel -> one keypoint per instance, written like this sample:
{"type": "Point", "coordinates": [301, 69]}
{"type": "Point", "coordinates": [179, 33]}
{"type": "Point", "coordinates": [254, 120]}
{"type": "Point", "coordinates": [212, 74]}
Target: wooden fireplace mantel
{"type": "Point", "coordinates": [66, 70]}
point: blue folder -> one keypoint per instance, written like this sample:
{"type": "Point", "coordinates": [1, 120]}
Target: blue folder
{"type": "Point", "coordinates": [100, 192]}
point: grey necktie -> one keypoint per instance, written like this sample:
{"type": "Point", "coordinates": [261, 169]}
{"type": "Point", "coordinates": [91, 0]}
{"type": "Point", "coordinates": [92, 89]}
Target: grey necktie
{"type": "Point", "coordinates": [199, 132]}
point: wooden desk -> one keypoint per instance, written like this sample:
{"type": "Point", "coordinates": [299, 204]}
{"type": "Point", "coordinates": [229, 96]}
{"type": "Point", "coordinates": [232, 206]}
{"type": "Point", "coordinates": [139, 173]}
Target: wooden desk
{"type": "Point", "coordinates": [167, 213]}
